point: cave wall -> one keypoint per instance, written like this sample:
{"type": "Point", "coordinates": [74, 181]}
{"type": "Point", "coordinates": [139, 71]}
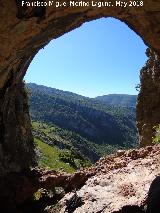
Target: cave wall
{"type": "Point", "coordinates": [24, 31]}
{"type": "Point", "coordinates": [148, 103]}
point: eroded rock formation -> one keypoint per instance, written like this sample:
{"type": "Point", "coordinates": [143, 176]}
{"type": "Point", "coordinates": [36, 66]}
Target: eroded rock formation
{"type": "Point", "coordinates": [24, 31]}
{"type": "Point", "coordinates": [148, 111]}
{"type": "Point", "coordinates": [119, 184]}
{"type": "Point", "coordinates": [17, 188]}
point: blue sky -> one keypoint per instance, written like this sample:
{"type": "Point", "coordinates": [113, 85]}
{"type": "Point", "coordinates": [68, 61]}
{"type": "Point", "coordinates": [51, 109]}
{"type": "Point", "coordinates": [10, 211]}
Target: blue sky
{"type": "Point", "coordinates": [101, 57]}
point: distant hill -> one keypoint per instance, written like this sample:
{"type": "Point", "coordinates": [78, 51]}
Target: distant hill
{"type": "Point", "coordinates": [101, 128]}
{"type": "Point", "coordinates": [119, 100]}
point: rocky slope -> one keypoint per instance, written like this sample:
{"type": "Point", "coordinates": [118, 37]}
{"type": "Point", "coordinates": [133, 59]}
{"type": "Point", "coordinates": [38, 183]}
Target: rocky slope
{"type": "Point", "coordinates": [119, 183]}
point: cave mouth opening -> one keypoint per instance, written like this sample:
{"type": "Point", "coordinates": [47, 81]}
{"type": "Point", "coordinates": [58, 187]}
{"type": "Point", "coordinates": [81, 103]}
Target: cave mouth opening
{"type": "Point", "coordinates": [99, 58]}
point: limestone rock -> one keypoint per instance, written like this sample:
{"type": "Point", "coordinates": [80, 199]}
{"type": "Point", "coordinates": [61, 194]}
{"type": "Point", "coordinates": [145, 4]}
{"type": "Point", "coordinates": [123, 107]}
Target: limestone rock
{"type": "Point", "coordinates": [119, 188]}
{"type": "Point", "coordinates": [148, 113]}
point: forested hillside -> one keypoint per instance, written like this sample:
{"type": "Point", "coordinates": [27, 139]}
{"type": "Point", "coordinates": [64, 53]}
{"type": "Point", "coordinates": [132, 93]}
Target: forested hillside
{"type": "Point", "coordinates": [123, 100]}
{"type": "Point", "coordinates": [91, 127]}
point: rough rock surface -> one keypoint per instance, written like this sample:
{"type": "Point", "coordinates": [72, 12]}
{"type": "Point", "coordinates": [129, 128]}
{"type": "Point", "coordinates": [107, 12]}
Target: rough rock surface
{"type": "Point", "coordinates": [117, 183]}
{"type": "Point", "coordinates": [118, 180]}
{"type": "Point", "coordinates": [148, 113]}
{"type": "Point", "coordinates": [18, 188]}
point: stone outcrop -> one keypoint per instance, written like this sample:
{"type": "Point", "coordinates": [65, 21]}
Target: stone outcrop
{"type": "Point", "coordinates": [116, 183]}
{"type": "Point", "coordinates": [119, 184]}
{"type": "Point", "coordinates": [16, 142]}
{"type": "Point", "coordinates": [18, 188]}
{"type": "Point", "coordinates": [148, 112]}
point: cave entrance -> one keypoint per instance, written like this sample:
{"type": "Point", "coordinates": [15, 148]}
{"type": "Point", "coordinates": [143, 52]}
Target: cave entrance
{"type": "Point", "coordinates": [102, 57]}
{"type": "Point", "coordinates": [25, 31]}
{"type": "Point", "coordinates": [29, 29]}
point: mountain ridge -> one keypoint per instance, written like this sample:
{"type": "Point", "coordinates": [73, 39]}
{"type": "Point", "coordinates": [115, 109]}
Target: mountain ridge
{"type": "Point", "coordinates": [100, 97]}
{"type": "Point", "coordinates": [119, 99]}
{"type": "Point", "coordinates": [92, 122]}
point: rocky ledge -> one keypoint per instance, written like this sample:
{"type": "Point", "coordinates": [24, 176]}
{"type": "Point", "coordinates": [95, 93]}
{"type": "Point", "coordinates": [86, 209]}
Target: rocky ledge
{"type": "Point", "coordinates": [126, 182]}
{"type": "Point", "coordinates": [118, 184]}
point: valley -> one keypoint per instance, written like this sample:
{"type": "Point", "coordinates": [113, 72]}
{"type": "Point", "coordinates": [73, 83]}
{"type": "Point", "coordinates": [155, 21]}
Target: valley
{"type": "Point", "coordinates": [83, 129]}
